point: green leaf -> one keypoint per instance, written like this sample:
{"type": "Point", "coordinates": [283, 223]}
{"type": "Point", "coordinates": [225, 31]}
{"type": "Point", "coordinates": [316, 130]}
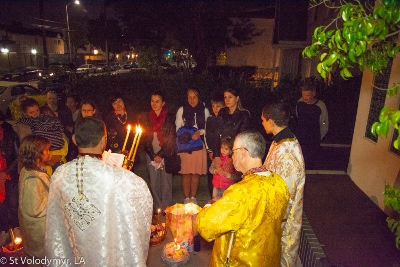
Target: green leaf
{"type": "Point", "coordinates": [338, 37]}
{"type": "Point", "coordinates": [369, 28]}
{"type": "Point", "coordinates": [323, 56]}
{"type": "Point", "coordinates": [319, 67]}
{"type": "Point", "coordinates": [383, 114]}
{"type": "Point", "coordinates": [396, 117]}
{"type": "Point", "coordinates": [344, 11]}
{"type": "Point", "coordinates": [331, 59]}
{"type": "Point", "coordinates": [351, 56]}
{"type": "Point", "coordinates": [385, 128]}
{"type": "Point", "coordinates": [396, 144]}
{"type": "Point", "coordinates": [395, 205]}
{"type": "Point", "coordinates": [373, 128]}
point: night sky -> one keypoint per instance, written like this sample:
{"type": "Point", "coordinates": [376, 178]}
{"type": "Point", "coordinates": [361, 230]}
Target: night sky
{"type": "Point", "coordinates": [27, 11]}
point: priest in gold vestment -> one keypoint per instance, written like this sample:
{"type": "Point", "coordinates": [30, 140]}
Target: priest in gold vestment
{"type": "Point", "coordinates": [246, 222]}
{"type": "Point", "coordinates": [286, 159]}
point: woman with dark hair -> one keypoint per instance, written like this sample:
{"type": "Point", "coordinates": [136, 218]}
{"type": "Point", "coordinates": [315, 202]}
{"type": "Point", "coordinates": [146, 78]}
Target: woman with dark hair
{"type": "Point", "coordinates": [159, 141]}
{"type": "Point", "coordinates": [33, 193]}
{"type": "Point", "coordinates": [117, 122]}
{"type": "Point", "coordinates": [235, 119]}
{"type": "Point", "coordinates": [72, 104]}
{"type": "Point", "coordinates": [89, 108]}
{"type": "Point", "coordinates": [193, 163]}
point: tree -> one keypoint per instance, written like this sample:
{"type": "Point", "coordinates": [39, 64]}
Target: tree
{"type": "Point", "coordinates": [79, 33]}
{"type": "Point", "coordinates": [364, 36]}
{"type": "Point", "coordinates": [204, 28]}
{"type": "Point", "coordinates": [99, 32]}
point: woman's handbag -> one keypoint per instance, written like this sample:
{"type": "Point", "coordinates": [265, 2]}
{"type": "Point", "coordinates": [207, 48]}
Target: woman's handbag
{"type": "Point", "coordinates": [172, 164]}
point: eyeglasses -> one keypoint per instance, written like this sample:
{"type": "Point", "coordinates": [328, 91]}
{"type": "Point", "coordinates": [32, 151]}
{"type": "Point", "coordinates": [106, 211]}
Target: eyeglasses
{"type": "Point", "coordinates": [233, 150]}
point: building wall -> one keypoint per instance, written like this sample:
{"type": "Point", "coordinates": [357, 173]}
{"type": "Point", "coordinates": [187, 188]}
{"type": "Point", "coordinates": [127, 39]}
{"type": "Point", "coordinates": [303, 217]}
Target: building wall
{"type": "Point", "coordinates": [261, 53]}
{"type": "Point", "coordinates": [55, 45]}
{"type": "Point", "coordinates": [371, 164]}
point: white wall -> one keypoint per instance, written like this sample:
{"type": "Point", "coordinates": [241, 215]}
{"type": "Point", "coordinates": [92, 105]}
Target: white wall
{"type": "Point", "coordinates": [261, 53]}
{"type": "Point", "coordinates": [371, 164]}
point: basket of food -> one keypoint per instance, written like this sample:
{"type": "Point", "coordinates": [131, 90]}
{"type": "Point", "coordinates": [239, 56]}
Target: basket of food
{"type": "Point", "coordinates": [158, 231]}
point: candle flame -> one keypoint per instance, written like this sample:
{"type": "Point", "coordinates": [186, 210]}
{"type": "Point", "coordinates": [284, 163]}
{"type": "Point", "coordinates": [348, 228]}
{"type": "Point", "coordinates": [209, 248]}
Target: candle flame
{"type": "Point", "coordinates": [159, 210]}
{"type": "Point", "coordinates": [18, 241]}
{"type": "Point", "coordinates": [138, 129]}
{"type": "Point", "coordinates": [175, 239]}
{"type": "Point", "coordinates": [129, 127]}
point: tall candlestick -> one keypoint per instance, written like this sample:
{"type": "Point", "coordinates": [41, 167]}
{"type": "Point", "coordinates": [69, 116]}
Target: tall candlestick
{"type": "Point", "coordinates": [13, 238]}
{"type": "Point", "coordinates": [137, 144]}
{"type": "Point", "coordinates": [134, 143]}
{"type": "Point", "coordinates": [126, 138]}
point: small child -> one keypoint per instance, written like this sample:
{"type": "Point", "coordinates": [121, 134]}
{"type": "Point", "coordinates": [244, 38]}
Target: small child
{"type": "Point", "coordinates": [224, 176]}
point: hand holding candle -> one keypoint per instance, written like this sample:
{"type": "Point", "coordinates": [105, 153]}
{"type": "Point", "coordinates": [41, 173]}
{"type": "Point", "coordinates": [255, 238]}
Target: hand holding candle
{"type": "Point", "coordinates": [126, 138]}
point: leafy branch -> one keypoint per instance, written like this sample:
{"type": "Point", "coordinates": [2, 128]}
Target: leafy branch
{"type": "Point", "coordinates": [363, 41]}
{"type": "Point", "coordinates": [392, 199]}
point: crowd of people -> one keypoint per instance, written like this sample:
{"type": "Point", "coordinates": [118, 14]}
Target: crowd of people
{"type": "Point", "coordinates": [58, 195]}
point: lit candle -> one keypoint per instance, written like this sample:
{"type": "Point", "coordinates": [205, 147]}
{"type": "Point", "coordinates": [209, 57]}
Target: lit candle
{"type": "Point", "coordinates": [126, 138]}
{"type": "Point", "coordinates": [137, 143]}
{"type": "Point", "coordinates": [159, 210]}
{"type": "Point", "coordinates": [18, 240]}
{"type": "Point", "coordinates": [178, 247]}
{"type": "Point", "coordinates": [175, 242]}
{"type": "Point", "coordinates": [13, 238]}
{"type": "Point", "coordinates": [134, 143]}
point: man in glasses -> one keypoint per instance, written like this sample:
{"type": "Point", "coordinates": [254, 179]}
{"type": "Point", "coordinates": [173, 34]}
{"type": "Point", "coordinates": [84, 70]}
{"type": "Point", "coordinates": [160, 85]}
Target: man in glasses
{"type": "Point", "coordinates": [246, 221]}
{"type": "Point", "coordinates": [286, 159]}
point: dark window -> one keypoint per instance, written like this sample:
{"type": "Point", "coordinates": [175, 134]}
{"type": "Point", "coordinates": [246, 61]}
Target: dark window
{"type": "Point", "coordinates": [381, 82]}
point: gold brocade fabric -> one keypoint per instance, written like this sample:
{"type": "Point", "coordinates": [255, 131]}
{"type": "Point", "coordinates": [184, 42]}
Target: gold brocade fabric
{"type": "Point", "coordinates": [286, 159]}
{"type": "Point", "coordinates": [252, 208]}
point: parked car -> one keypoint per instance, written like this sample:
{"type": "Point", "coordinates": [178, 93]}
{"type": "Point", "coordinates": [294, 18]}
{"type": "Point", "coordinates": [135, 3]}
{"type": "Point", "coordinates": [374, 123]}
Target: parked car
{"type": "Point", "coordinates": [57, 72]}
{"type": "Point", "coordinates": [11, 90]}
{"type": "Point", "coordinates": [103, 67]}
{"type": "Point", "coordinates": [115, 66]}
{"type": "Point", "coordinates": [22, 74]}
{"type": "Point", "coordinates": [86, 68]}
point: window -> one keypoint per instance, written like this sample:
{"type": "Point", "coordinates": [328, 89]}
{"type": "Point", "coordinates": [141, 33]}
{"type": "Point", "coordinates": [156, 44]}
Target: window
{"type": "Point", "coordinates": [378, 99]}
{"type": "Point", "coordinates": [58, 42]}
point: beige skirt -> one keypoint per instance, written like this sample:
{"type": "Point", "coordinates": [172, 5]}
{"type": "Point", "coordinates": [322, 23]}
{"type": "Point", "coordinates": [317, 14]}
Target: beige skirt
{"type": "Point", "coordinates": [194, 163]}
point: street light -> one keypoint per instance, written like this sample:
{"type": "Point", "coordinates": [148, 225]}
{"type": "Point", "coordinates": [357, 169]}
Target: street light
{"type": "Point", "coordinates": [7, 52]}
{"type": "Point", "coordinates": [69, 37]}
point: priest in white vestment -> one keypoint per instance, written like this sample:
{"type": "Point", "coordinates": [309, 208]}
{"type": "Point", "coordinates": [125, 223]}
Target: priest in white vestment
{"type": "Point", "coordinates": [97, 215]}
